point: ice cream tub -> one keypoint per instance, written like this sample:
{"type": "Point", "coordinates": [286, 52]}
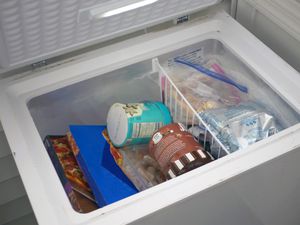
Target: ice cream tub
{"type": "Point", "coordinates": [177, 151]}
{"type": "Point", "coordinates": [135, 123]}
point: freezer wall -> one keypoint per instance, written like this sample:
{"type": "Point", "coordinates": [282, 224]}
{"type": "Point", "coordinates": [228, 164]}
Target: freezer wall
{"type": "Point", "coordinates": [265, 195]}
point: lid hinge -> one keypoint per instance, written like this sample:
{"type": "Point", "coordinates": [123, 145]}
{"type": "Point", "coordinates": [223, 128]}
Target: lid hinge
{"type": "Point", "coordinates": [39, 64]}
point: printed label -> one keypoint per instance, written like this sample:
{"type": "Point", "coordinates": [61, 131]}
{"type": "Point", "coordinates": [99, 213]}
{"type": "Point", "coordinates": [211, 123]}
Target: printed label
{"type": "Point", "coordinates": [167, 151]}
{"type": "Point", "coordinates": [133, 110]}
{"type": "Point", "coordinates": [195, 56]}
{"type": "Point", "coordinates": [157, 137]}
{"type": "Point", "coordinates": [143, 130]}
{"type": "Point", "coordinates": [182, 19]}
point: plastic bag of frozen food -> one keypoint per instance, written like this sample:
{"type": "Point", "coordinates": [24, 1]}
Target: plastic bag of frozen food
{"type": "Point", "coordinates": [241, 125]}
{"type": "Point", "coordinates": [205, 84]}
{"type": "Point", "coordinates": [137, 164]}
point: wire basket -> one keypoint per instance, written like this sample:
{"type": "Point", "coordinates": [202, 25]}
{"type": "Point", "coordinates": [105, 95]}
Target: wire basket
{"type": "Point", "coordinates": [183, 112]}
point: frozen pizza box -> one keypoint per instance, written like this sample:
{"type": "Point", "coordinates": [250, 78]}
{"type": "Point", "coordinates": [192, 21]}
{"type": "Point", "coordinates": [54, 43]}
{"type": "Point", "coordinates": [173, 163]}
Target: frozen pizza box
{"type": "Point", "coordinates": [69, 173]}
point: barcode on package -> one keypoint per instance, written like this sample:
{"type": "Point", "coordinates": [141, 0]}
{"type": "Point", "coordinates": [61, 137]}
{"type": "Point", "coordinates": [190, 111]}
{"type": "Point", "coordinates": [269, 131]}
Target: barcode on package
{"type": "Point", "coordinates": [142, 130]}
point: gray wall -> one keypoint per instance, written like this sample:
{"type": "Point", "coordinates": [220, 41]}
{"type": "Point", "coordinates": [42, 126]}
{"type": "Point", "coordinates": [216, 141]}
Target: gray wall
{"type": "Point", "coordinates": [14, 204]}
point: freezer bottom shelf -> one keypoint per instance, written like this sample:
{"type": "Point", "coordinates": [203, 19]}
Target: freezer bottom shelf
{"type": "Point", "coordinates": [207, 88]}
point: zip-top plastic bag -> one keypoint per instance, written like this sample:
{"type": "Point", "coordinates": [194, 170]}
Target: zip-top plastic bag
{"type": "Point", "coordinates": [205, 84]}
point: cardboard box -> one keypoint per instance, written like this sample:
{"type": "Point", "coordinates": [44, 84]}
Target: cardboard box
{"type": "Point", "coordinates": [70, 174]}
{"type": "Point", "coordinates": [107, 181]}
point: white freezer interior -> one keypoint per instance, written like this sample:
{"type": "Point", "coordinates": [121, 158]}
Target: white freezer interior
{"type": "Point", "coordinates": [79, 92]}
{"type": "Point", "coordinates": [88, 102]}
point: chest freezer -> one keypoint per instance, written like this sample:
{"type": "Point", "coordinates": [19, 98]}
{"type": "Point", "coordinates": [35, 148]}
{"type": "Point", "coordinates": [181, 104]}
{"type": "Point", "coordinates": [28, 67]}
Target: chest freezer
{"type": "Point", "coordinates": [80, 90]}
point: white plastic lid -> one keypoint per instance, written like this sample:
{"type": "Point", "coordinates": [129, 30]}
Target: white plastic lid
{"type": "Point", "coordinates": [34, 30]}
{"type": "Point", "coordinates": [117, 124]}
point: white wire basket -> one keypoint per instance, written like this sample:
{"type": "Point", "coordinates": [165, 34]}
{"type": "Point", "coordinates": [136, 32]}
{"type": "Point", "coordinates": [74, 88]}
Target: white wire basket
{"type": "Point", "coordinates": [183, 112]}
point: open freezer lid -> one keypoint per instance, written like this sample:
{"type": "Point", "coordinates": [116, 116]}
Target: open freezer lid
{"type": "Point", "coordinates": [34, 30]}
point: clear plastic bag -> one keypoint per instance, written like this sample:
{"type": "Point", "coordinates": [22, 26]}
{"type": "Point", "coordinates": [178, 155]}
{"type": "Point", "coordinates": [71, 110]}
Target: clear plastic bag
{"type": "Point", "coordinates": [241, 125]}
{"type": "Point", "coordinates": [212, 78]}
{"type": "Point", "coordinates": [136, 163]}
{"type": "Point", "coordinates": [140, 167]}
{"type": "Point", "coordinates": [205, 86]}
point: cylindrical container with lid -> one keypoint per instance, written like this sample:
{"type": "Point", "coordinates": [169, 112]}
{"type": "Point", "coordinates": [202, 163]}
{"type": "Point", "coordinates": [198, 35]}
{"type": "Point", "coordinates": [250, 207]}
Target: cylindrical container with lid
{"type": "Point", "coordinates": [176, 150]}
{"type": "Point", "coordinates": [134, 123]}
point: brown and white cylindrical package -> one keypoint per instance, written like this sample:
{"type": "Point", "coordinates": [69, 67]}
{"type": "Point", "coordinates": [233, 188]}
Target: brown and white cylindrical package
{"type": "Point", "coordinates": [176, 150]}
